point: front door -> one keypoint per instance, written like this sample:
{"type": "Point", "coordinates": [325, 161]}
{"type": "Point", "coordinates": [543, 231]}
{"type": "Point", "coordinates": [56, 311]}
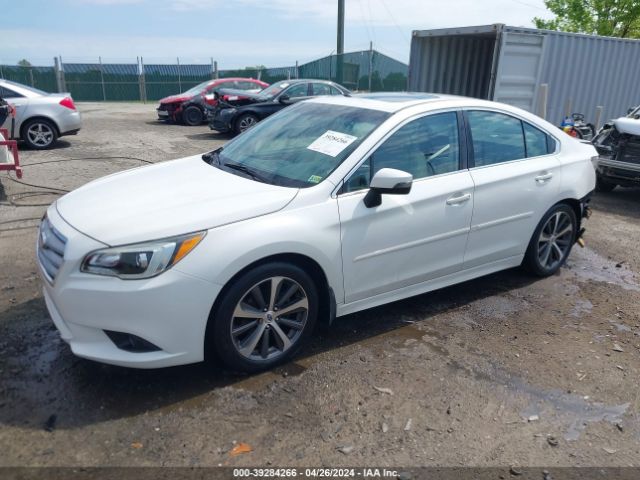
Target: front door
{"type": "Point", "coordinates": [411, 238]}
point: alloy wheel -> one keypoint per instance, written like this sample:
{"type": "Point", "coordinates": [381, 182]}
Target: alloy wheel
{"type": "Point", "coordinates": [269, 318]}
{"type": "Point", "coordinates": [246, 122]}
{"type": "Point", "coordinates": [555, 240]}
{"type": "Point", "coordinates": [40, 134]}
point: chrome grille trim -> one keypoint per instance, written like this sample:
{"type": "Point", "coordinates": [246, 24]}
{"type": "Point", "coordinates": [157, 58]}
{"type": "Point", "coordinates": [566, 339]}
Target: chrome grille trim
{"type": "Point", "coordinates": [50, 249]}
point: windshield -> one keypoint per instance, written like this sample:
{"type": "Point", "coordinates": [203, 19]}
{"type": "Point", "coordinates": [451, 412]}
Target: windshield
{"type": "Point", "coordinates": [198, 89]}
{"type": "Point", "coordinates": [634, 113]}
{"type": "Point", "coordinates": [301, 145]}
{"type": "Point", "coordinates": [273, 90]}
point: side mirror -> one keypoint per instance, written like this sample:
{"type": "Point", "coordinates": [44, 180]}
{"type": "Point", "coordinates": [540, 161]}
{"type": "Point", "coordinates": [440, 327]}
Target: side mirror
{"type": "Point", "coordinates": [388, 181]}
{"type": "Point", "coordinates": [284, 99]}
{"type": "Point", "coordinates": [210, 96]}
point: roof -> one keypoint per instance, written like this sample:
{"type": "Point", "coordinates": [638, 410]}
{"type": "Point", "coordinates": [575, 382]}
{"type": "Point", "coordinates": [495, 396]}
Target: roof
{"type": "Point", "coordinates": [386, 101]}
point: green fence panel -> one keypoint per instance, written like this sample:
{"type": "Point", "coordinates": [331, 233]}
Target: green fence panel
{"type": "Point", "coordinates": [43, 78]}
{"type": "Point", "coordinates": [123, 82]}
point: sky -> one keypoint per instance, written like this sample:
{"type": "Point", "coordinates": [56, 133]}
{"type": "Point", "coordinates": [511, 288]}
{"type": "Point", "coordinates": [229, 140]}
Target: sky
{"type": "Point", "coordinates": [235, 33]}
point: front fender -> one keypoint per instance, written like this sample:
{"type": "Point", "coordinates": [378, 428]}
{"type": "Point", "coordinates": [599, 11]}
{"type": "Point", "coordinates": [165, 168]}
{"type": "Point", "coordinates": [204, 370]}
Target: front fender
{"type": "Point", "coordinates": [312, 231]}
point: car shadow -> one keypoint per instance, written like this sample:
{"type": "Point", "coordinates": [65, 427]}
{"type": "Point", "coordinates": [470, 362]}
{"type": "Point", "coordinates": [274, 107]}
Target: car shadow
{"type": "Point", "coordinates": [40, 378]}
{"type": "Point", "coordinates": [620, 201]}
{"type": "Point", "coordinates": [59, 145]}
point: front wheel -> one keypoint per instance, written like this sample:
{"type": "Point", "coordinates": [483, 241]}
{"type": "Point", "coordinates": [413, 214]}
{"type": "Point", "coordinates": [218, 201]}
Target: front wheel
{"type": "Point", "coordinates": [245, 122]}
{"type": "Point", "coordinates": [264, 318]}
{"type": "Point", "coordinates": [552, 241]}
{"type": "Point", "coordinates": [192, 116]}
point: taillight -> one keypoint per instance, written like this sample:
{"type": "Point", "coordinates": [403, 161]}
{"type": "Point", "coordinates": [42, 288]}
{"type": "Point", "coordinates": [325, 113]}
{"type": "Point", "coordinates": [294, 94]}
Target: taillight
{"type": "Point", "coordinates": [68, 102]}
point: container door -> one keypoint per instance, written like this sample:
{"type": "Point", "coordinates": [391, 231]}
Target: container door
{"type": "Point", "coordinates": [519, 69]}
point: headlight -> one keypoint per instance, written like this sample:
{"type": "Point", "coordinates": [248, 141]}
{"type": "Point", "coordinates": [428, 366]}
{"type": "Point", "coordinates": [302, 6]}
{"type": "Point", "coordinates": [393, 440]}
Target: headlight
{"type": "Point", "coordinates": [140, 260]}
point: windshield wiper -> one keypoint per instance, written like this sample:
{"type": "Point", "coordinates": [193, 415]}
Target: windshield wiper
{"type": "Point", "coordinates": [244, 169]}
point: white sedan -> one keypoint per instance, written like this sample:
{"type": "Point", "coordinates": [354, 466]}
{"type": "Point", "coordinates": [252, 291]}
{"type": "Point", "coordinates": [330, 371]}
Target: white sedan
{"type": "Point", "coordinates": [332, 206]}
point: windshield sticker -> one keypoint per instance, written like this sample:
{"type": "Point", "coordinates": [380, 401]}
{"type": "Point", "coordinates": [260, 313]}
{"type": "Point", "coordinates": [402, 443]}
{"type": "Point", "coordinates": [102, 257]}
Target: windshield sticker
{"type": "Point", "coordinates": [283, 85]}
{"type": "Point", "coordinates": [315, 179]}
{"type": "Point", "coordinates": [332, 143]}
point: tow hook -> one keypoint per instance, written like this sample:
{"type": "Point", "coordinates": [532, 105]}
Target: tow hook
{"type": "Point", "coordinates": [579, 239]}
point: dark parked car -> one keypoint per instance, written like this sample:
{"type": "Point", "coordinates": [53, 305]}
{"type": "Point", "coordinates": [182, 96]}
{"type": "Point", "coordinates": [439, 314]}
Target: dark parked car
{"type": "Point", "coordinates": [235, 113]}
{"type": "Point", "coordinates": [189, 107]}
{"type": "Point", "coordinates": [618, 145]}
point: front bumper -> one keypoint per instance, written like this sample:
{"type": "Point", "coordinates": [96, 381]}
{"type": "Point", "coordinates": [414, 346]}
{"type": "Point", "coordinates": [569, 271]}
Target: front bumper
{"type": "Point", "coordinates": [170, 310]}
{"type": "Point", "coordinates": [222, 119]}
{"type": "Point", "coordinates": [624, 173]}
{"type": "Point", "coordinates": [169, 111]}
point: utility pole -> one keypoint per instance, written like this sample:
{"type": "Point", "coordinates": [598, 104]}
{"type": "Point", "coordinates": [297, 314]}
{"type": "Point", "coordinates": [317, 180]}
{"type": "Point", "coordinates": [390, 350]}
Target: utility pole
{"type": "Point", "coordinates": [340, 43]}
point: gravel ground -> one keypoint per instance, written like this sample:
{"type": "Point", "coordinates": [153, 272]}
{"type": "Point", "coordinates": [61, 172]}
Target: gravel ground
{"type": "Point", "coordinates": [504, 370]}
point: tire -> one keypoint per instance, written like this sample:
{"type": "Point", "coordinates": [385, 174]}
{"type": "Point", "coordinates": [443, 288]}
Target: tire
{"type": "Point", "coordinates": [255, 340]}
{"type": "Point", "coordinates": [552, 241]}
{"type": "Point", "coordinates": [39, 133]}
{"type": "Point", "coordinates": [245, 122]}
{"type": "Point", "coordinates": [603, 185]}
{"type": "Point", "coordinates": [192, 116]}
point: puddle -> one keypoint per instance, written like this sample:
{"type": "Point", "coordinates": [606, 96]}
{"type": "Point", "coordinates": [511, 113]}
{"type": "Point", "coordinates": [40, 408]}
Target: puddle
{"type": "Point", "coordinates": [570, 409]}
{"type": "Point", "coordinates": [621, 327]}
{"type": "Point", "coordinates": [580, 308]}
{"type": "Point", "coordinates": [588, 265]}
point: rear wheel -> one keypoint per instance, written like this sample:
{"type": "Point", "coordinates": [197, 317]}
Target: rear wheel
{"type": "Point", "coordinates": [552, 241]}
{"type": "Point", "coordinates": [245, 122]}
{"type": "Point", "coordinates": [39, 133]}
{"type": "Point", "coordinates": [264, 318]}
{"type": "Point", "coordinates": [192, 116]}
{"type": "Point", "coordinates": [603, 185]}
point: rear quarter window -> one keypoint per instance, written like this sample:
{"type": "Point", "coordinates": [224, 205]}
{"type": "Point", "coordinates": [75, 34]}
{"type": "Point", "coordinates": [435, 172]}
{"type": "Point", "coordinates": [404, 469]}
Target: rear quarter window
{"type": "Point", "coordinates": [538, 142]}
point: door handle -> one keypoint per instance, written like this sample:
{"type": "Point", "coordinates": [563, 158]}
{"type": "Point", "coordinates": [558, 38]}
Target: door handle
{"type": "Point", "coordinates": [459, 199]}
{"type": "Point", "coordinates": [545, 177]}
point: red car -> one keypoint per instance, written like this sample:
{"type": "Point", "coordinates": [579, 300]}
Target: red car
{"type": "Point", "coordinates": [189, 107]}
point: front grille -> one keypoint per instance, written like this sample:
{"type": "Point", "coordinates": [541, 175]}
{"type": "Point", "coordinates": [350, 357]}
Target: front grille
{"type": "Point", "coordinates": [630, 152]}
{"type": "Point", "coordinates": [51, 244]}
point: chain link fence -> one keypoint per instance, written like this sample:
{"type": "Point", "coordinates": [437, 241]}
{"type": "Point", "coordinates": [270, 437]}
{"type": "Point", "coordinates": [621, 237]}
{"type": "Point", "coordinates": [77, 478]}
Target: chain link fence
{"type": "Point", "coordinates": [367, 70]}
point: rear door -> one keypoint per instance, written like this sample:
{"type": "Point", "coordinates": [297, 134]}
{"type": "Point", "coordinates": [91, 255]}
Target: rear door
{"type": "Point", "coordinates": [516, 173]}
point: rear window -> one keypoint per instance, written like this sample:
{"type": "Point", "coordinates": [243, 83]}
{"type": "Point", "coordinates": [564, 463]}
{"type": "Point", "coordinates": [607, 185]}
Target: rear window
{"type": "Point", "coordinates": [6, 93]}
{"type": "Point", "coordinates": [497, 138]}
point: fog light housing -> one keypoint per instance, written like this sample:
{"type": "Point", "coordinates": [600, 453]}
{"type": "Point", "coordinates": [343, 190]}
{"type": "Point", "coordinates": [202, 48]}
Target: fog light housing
{"type": "Point", "coordinates": [131, 343]}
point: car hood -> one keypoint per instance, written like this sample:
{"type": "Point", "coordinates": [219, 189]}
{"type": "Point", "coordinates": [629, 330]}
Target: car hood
{"type": "Point", "coordinates": [628, 125]}
{"type": "Point", "coordinates": [170, 198]}
{"type": "Point", "coordinates": [175, 98]}
{"type": "Point", "coordinates": [241, 97]}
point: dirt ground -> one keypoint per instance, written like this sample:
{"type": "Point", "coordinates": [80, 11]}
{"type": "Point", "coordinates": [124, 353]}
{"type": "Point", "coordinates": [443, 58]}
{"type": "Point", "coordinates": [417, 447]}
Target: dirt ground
{"type": "Point", "coordinates": [504, 370]}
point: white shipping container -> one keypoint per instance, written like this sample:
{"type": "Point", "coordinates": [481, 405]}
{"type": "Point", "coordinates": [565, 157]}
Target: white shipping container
{"type": "Point", "coordinates": [509, 64]}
